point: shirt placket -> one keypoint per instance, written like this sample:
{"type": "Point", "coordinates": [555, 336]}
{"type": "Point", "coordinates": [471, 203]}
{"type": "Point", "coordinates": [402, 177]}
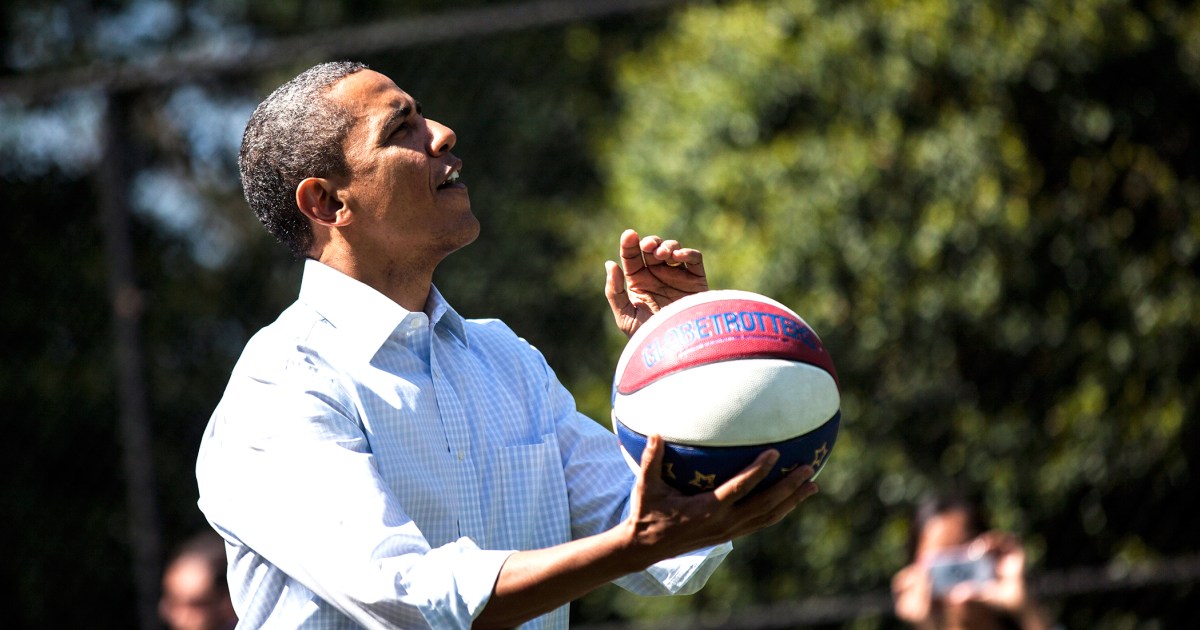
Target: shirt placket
{"type": "Point", "coordinates": [456, 425]}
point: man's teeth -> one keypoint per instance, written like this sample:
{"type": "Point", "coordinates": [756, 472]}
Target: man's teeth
{"type": "Point", "coordinates": [450, 180]}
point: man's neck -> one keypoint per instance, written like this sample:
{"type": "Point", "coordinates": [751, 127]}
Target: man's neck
{"type": "Point", "coordinates": [404, 284]}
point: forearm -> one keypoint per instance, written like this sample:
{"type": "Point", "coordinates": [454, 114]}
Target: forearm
{"type": "Point", "coordinates": [662, 524]}
{"type": "Point", "coordinates": [532, 583]}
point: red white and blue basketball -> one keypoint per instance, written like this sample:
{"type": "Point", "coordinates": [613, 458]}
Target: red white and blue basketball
{"type": "Point", "coordinates": [721, 376]}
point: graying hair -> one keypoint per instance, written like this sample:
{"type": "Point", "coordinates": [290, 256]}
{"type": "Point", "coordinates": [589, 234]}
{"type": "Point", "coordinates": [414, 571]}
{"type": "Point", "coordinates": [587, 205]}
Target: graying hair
{"type": "Point", "coordinates": [296, 133]}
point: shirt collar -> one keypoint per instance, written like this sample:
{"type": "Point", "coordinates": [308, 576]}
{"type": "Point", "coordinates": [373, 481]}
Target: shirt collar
{"type": "Point", "coordinates": [442, 314]}
{"type": "Point", "coordinates": [366, 316]}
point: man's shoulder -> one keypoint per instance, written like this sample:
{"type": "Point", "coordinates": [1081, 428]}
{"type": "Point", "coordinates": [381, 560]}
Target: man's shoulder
{"type": "Point", "coordinates": [505, 353]}
{"type": "Point", "coordinates": [296, 335]}
{"type": "Point", "coordinates": [491, 335]}
{"type": "Point", "coordinates": [489, 327]}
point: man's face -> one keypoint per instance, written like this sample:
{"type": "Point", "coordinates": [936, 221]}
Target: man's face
{"type": "Point", "coordinates": [402, 188]}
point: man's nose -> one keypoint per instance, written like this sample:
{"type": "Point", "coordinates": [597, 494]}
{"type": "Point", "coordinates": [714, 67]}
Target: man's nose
{"type": "Point", "coordinates": [441, 138]}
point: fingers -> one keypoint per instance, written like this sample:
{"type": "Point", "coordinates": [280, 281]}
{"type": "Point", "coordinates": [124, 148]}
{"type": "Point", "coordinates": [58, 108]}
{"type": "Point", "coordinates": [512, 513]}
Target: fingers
{"type": "Point", "coordinates": [801, 493]}
{"type": "Point", "coordinates": [999, 543]}
{"type": "Point", "coordinates": [790, 491]}
{"type": "Point", "coordinates": [653, 251]}
{"type": "Point", "coordinates": [775, 502]}
{"type": "Point", "coordinates": [906, 578]}
{"type": "Point", "coordinates": [614, 288]}
{"type": "Point", "coordinates": [631, 253]}
{"type": "Point", "coordinates": [960, 594]}
{"type": "Point", "coordinates": [913, 594]}
{"type": "Point", "coordinates": [786, 493]}
{"type": "Point", "coordinates": [670, 253]}
{"type": "Point", "coordinates": [742, 483]}
{"type": "Point", "coordinates": [1004, 547]}
{"type": "Point", "coordinates": [625, 312]}
{"type": "Point", "coordinates": [652, 458]}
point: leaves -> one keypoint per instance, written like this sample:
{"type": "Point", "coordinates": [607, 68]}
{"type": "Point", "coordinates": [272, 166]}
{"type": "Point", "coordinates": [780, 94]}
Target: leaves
{"type": "Point", "coordinates": [978, 226]}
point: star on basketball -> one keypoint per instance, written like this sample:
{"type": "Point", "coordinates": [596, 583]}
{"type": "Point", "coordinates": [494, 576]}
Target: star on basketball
{"type": "Point", "coordinates": [820, 454]}
{"type": "Point", "coordinates": [703, 481]}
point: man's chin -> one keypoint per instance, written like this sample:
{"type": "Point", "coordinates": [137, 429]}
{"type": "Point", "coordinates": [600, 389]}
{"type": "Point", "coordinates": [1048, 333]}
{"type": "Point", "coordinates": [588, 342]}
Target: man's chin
{"type": "Point", "coordinates": [466, 234]}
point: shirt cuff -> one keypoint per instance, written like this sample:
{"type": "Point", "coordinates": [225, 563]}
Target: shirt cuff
{"type": "Point", "coordinates": [472, 571]}
{"type": "Point", "coordinates": [681, 575]}
{"type": "Point", "coordinates": [686, 574]}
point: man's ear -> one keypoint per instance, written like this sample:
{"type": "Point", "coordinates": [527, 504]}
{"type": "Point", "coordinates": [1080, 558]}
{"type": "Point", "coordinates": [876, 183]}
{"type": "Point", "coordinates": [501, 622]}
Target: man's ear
{"type": "Point", "coordinates": [318, 200]}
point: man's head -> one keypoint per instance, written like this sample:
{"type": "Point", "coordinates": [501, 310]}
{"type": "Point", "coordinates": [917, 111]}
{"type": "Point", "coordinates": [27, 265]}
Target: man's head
{"type": "Point", "coordinates": [342, 150]}
{"type": "Point", "coordinates": [295, 133]}
{"type": "Point", "coordinates": [195, 592]}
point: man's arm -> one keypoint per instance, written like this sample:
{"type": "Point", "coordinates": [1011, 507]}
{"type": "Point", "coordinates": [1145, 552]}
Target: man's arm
{"type": "Point", "coordinates": [663, 523]}
{"type": "Point", "coordinates": [290, 477]}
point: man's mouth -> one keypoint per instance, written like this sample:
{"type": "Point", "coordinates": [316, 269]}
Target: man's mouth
{"type": "Point", "coordinates": [450, 181]}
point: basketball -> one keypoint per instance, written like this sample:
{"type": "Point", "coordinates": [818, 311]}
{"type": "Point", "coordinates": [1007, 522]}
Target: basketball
{"type": "Point", "coordinates": [721, 376]}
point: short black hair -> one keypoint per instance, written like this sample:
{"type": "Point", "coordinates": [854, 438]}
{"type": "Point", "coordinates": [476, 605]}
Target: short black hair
{"type": "Point", "coordinates": [296, 133]}
{"type": "Point", "coordinates": [940, 503]}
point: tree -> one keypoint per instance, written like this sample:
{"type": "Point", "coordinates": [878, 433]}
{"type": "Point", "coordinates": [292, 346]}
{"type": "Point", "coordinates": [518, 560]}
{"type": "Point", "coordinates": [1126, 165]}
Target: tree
{"type": "Point", "coordinates": [987, 211]}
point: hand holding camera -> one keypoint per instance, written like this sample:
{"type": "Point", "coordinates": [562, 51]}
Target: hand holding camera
{"type": "Point", "coordinates": [969, 565]}
{"type": "Point", "coordinates": [986, 573]}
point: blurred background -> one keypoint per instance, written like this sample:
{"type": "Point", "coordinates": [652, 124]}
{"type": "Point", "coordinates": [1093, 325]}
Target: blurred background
{"type": "Point", "coordinates": [987, 209]}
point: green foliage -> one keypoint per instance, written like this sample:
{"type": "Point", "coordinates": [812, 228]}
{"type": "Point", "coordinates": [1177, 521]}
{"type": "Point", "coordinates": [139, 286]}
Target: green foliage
{"type": "Point", "coordinates": [985, 209]}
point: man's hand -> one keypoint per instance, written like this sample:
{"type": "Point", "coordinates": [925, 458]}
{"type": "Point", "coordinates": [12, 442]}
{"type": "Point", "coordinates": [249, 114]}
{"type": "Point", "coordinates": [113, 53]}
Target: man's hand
{"type": "Point", "coordinates": [666, 523]}
{"type": "Point", "coordinates": [652, 273]}
{"type": "Point", "coordinates": [663, 523]}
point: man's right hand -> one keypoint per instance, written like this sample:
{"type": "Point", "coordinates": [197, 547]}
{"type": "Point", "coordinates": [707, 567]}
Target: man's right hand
{"type": "Point", "coordinates": [665, 523]}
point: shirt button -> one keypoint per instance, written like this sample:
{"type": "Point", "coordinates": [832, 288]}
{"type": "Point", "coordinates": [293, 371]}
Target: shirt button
{"type": "Point", "coordinates": [460, 455]}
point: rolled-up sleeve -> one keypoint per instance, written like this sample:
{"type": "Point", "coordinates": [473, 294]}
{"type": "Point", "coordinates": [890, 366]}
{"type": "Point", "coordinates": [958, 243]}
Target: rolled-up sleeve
{"type": "Point", "coordinates": [286, 472]}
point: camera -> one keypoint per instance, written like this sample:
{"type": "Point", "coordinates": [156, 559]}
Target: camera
{"type": "Point", "coordinates": [951, 568]}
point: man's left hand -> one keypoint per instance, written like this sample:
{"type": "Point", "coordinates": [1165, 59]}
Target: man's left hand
{"type": "Point", "coordinates": [652, 273]}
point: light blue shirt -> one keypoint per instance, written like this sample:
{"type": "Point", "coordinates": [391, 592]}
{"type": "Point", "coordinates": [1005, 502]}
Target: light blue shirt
{"type": "Point", "coordinates": [374, 467]}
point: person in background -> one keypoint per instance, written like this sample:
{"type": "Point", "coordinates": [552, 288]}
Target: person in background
{"type": "Point", "coordinates": [195, 593]}
{"type": "Point", "coordinates": [963, 575]}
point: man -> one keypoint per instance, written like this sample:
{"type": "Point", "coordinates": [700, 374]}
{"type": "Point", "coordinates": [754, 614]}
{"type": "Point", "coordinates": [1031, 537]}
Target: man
{"type": "Point", "coordinates": [379, 461]}
{"type": "Point", "coordinates": [195, 595]}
